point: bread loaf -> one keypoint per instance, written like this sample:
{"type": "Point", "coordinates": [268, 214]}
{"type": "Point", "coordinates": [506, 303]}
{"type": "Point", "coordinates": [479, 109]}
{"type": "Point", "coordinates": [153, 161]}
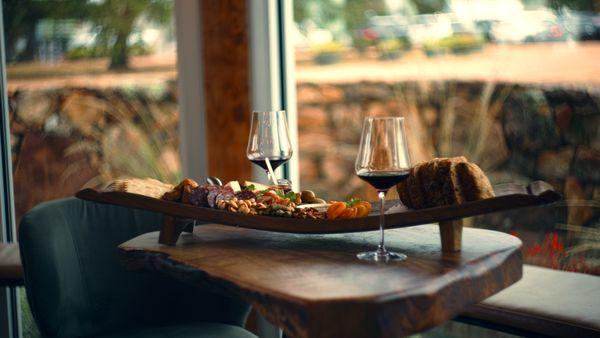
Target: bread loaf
{"type": "Point", "coordinates": [444, 181]}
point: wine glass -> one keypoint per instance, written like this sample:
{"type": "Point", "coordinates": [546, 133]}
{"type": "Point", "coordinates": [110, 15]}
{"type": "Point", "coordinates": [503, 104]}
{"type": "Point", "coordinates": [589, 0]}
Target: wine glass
{"type": "Point", "coordinates": [382, 161]}
{"type": "Point", "coordinates": [269, 139]}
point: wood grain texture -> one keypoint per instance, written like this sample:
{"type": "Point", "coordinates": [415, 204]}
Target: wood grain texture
{"type": "Point", "coordinates": [313, 285]}
{"type": "Point", "coordinates": [451, 235]}
{"type": "Point", "coordinates": [226, 77]}
{"type": "Point", "coordinates": [513, 197]}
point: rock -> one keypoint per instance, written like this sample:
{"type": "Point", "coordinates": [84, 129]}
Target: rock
{"type": "Point", "coordinates": [42, 171]}
{"type": "Point", "coordinates": [527, 126]}
{"type": "Point", "coordinates": [554, 164]}
{"type": "Point", "coordinates": [309, 168]}
{"type": "Point", "coordinates": [85, 111]}
{"type": "Point", "coordinates": [33, 107]}
{"type": "Point", "coordinates": [336, 169]}
{"type": "Point", "coordinates": [369, 91]}
{"type": "Point", "coordinates": [331, 94]}
{"type": "Point", "coordinates": [587, 165]}
{"type": "Point", "coordinates": [315, 142]}
{"type": "Point", "coordinates": [312, 118]}
{"type": "Point", "coordinates": [308, 94]}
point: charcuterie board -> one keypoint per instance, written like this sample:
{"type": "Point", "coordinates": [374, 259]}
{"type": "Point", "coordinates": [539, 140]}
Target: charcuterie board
{"type": "Point", "coordinates": [508, 196]}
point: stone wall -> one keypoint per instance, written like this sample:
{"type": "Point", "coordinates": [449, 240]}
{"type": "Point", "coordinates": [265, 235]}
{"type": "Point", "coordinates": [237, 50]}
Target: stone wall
{"type": "Point", "coordinates": [66, 138]}
{"type": "Point", "coordinates": [515, 133]}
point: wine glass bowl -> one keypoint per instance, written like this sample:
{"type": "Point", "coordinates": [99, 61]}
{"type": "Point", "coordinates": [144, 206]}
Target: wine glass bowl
{"type": "Point", "coordinates": [269, 139]}
{"type": "Point", "coordinates": [382, 161]}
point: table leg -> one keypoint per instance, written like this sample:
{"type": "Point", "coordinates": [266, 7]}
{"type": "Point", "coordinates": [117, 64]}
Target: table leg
{"type": "Point", "coordinates": [451, 235]}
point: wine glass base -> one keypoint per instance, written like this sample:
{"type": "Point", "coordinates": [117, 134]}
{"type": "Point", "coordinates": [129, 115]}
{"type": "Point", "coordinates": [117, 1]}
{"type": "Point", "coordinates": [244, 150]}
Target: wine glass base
{"type": "Point", "coordinates": [376, 256]}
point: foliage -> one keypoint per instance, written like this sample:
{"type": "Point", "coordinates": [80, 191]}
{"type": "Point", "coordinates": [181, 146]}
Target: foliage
{"type": "Point", "coordinates": [328, 48]}
{"type": "Point", "coordinates": [321, 12]}
{"type": "Point", "coordinates": [22, 16]}
{"type": "Point", "coordinates": [456, 43]}
{"type": "Point", "coordinates": [355, 17]}
{"type": "Point", "coordinates": [115, 20]}
{"type": "Point", "coordinates": [97, 51]}
{"type": "Point", "coordinates": [429, 6]}
{"type": "Point", "coordinates": [391, 45]}
{"type": "Point", "coordinates": [578, 5]}
{"type": "Point", "coordinates": [141, 139]}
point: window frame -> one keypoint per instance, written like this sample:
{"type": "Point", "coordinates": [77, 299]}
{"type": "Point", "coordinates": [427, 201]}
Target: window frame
{"type": "Point", "coordinates": [10, 307]}
{"type": "Point", "coordinates": [272, 84]}
{"type": "Point", "coordinates": [190, 73]}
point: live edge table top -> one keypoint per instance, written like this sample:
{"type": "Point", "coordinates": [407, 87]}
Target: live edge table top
{"type": "Point", "coordinates": [314, 286]}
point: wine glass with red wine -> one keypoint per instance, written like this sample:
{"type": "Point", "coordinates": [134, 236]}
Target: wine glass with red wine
{"type": "Point", "coordinates": [382, 161]}
{"type": "Point", "coordinates": [269, 139]}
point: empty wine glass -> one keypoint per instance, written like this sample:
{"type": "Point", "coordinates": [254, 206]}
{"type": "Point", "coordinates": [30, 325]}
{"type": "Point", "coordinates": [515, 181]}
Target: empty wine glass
{"type": "Point", "coordinates": [382, 161]}
{"type": "Point", "coordinates": [269, 139]}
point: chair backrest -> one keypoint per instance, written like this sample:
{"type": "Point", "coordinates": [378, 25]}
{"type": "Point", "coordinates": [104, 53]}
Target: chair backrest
{"type": "Point", "coordinates": [77, 286]}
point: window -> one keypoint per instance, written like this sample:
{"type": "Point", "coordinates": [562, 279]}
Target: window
{"type": "Point", "coordinates": [92, 97]}
{"type": "Point", "coordinates": [512, 85]}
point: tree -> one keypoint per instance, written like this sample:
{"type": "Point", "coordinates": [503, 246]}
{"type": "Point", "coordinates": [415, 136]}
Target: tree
{"type": "Point", "coordinates": [22, 16]}
{"type": "Point", "coordinates": [579, 5]}
{"type": "Point", "coordinates": [355, 17]}
{"type": "Point", "coordinates": [321, 12]}
{"type": "Point", "coordinates": [116, 20]}
{"type": "Point", "coordinates": [429, 6]}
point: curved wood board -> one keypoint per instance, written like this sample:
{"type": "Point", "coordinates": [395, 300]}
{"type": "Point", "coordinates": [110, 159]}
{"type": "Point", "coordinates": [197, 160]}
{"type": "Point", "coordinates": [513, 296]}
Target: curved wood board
{"type": "Point", "coordinates": [509, 196]}
{"type": "Point", "coordinates": [313, 285]}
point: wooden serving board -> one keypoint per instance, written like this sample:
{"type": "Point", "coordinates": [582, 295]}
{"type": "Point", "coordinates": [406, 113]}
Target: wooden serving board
{"type": "Point", "coordinates": [508, 196]}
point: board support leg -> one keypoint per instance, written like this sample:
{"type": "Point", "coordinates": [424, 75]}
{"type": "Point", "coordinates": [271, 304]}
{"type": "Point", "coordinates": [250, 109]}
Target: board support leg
{"type": "Point", "coordinates": [189, 228]}
{"type": "Point", "coordinates": [172, 228]}
{"type": "Point", "coordinates": [451, 235]}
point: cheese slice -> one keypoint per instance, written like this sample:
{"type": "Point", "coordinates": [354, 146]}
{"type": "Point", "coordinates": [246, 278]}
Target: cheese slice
{"type": "Point", "coordinates": [235, 185]}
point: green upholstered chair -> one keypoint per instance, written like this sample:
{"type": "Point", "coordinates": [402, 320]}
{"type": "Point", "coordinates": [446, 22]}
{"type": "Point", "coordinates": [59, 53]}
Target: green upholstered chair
{"type": "Point", "coordinates": [77, 286]}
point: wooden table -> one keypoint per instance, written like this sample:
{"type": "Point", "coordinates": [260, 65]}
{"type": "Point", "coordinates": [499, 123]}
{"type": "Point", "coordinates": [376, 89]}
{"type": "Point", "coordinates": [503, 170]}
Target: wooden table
{"type": "Point", "coordinates": [313, 285]}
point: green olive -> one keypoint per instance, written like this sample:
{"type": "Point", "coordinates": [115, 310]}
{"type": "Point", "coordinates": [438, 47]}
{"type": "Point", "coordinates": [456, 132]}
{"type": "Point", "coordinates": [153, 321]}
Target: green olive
{"type": "Point", "coordinates": [307, 196]}
{"type": "Point", "coordinates": [319, 201]}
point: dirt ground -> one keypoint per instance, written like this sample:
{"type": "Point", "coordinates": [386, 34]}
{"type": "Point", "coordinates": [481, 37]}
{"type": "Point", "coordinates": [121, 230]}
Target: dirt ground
{"type": "Point", "coordinates": [569, 63]}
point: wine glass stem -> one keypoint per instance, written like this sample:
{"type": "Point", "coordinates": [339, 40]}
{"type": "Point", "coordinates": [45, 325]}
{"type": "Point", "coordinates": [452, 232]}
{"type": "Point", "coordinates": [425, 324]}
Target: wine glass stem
{"type": "Point", "coordinates": [381, 249]}
{"type": "Point", "coordinates": [268, 176]}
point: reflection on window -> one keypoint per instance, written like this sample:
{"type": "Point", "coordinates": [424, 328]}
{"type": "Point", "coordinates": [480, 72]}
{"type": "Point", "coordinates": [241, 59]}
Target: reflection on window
{"type": "Point", "coordinates": [92, 94]}
{"type": "Point", "coordinates": [92, 97]}
{"type": "Point", "coordinates": [512, 85]}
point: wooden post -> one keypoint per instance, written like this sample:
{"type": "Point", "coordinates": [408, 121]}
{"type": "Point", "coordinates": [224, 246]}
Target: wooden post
{"type": "Point", "coordinates": [451, 235]}
{"type": "Point", "coordinates": [172, 228]}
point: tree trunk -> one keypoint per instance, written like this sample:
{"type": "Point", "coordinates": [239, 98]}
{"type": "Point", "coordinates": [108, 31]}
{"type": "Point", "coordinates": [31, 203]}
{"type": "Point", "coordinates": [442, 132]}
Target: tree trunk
{"type": "Point", "coordinates": [118, 56]}
{"type": "Point", "coordinates": [31, 45]}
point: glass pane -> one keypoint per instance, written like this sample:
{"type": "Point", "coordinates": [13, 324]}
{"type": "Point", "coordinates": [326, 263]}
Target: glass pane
{"type": "Point", "coordinates": [92, 90]}
{"type": "Point", "coordinates": [512, 85]}
{"type": "Point", "coordinates": [92, 97]}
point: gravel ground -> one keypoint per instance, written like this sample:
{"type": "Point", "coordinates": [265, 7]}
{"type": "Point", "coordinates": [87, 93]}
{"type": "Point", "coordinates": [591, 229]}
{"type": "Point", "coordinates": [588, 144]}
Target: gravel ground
{"type": "Point", "coordinates": [570, 64]}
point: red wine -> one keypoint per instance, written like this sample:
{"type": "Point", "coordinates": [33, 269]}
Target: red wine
{"type": "Point", "coordinates": [275, 162]}
{"type": "Point", "coordinates": [383, 180]}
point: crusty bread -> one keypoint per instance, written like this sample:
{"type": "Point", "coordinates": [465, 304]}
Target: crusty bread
{"type": "Point", "coordinates": [142, 186]}
{"type": "Point", "coordinates": [473, 182]}
{"type": "Point", "coordinates": [444, 181]}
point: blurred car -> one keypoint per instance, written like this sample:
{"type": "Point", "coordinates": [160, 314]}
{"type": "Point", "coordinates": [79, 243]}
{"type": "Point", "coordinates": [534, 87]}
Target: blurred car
{"type": "Point", "coordinates": [580, 26]}
{"type": "Point", "coordinates": [529, 26]}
